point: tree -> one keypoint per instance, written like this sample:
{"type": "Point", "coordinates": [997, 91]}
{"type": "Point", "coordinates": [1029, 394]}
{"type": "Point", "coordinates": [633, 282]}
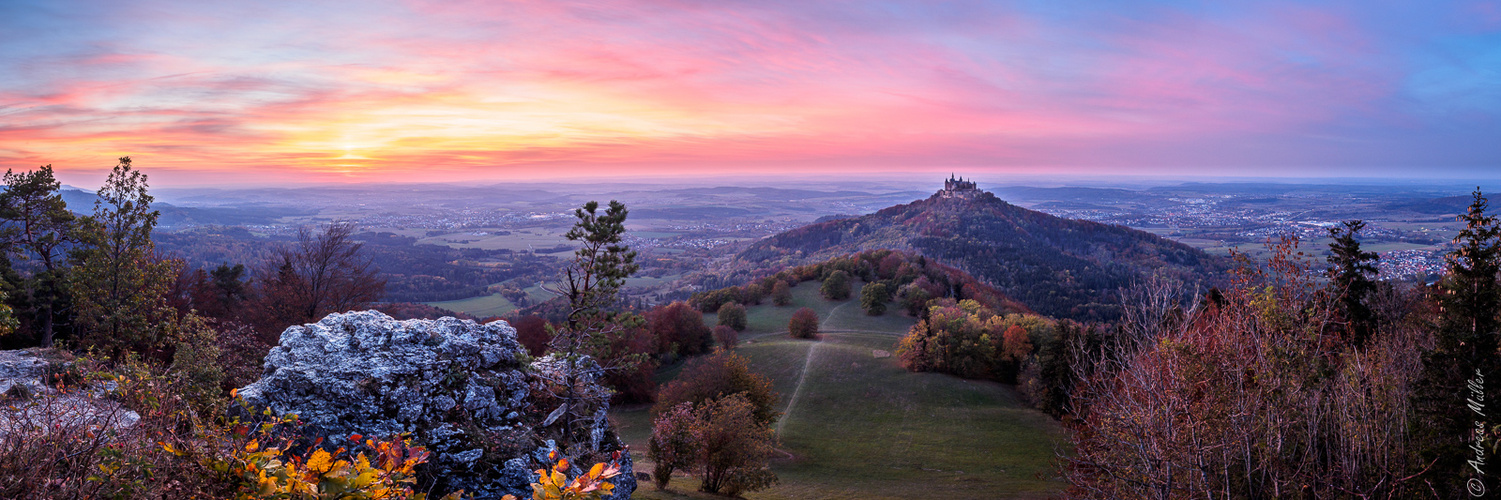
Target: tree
{"type": "Point", "coordinates": [914, 298]}
{"type": "Point", "coordinates": [591, 283]}
{"type": "Point", "coordinates": [1465, 354]}
{"type": "Point", "coordinates": [323, 273]}
{"type": "Point", "coordinates": [836, 286]}
{"type": "Point", "coordinates": [599, 268]}
{"type": "Point", "coordinates": [38, 226]}
{"type": "Point", "coordinates": [1350, 271]}
{"type": "Point", "coordinates": [732, 314]}
{"type": "Point", "coordinates": [734, 446]}
{"type": "Point", "coordinates": [118, 284]}
{"type": "Point", "coordinates": [781, 293]}
{"type": "Point", "coordinates": [716, 376]}
{"type": "Point", "coordinates": [679, 329]}
{"type": "Point", "coordinates": [726, 337]}
{"type": "Point", "coordinates": [804, 324]}
{"type": "Point", "coordinates": [229, 285]}
{"type": "Point", "coordinates": [873, 298]}
{"type": "Point", "coordinates": [672, 446]}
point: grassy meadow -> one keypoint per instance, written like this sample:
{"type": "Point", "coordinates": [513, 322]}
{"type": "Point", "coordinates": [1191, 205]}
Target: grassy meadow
{"type": "Point", "coordinates": [856, 425]}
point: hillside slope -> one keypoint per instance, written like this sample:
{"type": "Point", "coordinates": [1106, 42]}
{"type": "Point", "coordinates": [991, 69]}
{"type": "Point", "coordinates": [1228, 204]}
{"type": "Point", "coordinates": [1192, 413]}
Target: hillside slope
{"type": "Point", "coordinates": [1059, 267]}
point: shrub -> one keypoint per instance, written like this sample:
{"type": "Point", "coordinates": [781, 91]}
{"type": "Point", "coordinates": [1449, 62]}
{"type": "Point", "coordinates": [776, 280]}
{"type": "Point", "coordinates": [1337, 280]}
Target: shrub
{"type": "Point", "coordinates": [532, 332]}
{"type": "Point", "coordinates": [873, 298]}
{"type": "Point", "coordinates": [554, 485]}
{"type": "Point", "coordinates": [804, 324]}
{"type": "Point", "coordinates": [732, 314]}
{"type": "Point", "coordinates": [726, 337]}
{"type": "Point", "coordinates": [836, 286]}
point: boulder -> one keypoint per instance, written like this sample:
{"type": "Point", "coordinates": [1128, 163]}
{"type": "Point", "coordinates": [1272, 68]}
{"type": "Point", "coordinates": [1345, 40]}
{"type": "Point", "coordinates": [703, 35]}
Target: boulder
{"type": "Point", "coordinates": [457, 386]}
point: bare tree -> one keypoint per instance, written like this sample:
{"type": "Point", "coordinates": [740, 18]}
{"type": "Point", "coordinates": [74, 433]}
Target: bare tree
{"type": "Point", "coordinates": [321, 274]}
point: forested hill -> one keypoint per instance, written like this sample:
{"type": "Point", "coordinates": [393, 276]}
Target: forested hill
{"type": "Point", "coordinates": [1060, 267]}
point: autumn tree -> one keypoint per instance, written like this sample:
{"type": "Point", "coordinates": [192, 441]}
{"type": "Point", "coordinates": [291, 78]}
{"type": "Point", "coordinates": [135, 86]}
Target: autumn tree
{"type": "Point", "coordinates": [679, 328]}
{"type": "Point", "coordinates": [734, 446]}
{"type": "Point", "coordinates": [873, 298]}
{"type": "Point", "coordinates": [836, 286]}
{"type": "Point", "coordinates": [781, 293]}
{"type": "Point", "coordinates": [532, 332]}
{"type": "Point", "coordinates": [37, 227]}
{"type": "Point", "coordinates": [118, 284]}
{"type": "Point", "coordinates": [1350, 272]}
{"type": "Point", "coordinates": [716, 376]}
{"type": "Point", "coordinates": [672, 446]}
{"type": "Point", "coordinates": [804, 324]}
{"type": "Point", "coordinates": [726, 337]}
{"type": "Point", "coordinates": [1245, 397]}
{"type": "Point", "coordinates": [732, 314]}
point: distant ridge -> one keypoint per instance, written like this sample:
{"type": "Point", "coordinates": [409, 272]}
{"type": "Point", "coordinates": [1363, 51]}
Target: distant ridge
{"type": "Point", "coordinates": [1060, 267]}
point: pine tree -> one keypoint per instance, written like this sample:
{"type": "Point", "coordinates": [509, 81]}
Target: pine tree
{"type": "Point", "coordinates": [1350, 271]}
{"type": "Point", "coordinates": [38, 226]}
{"type": "Point", "coordinates": [1465, 353]}
{"type": "Point", "coordinates": [591, 283]}
{"type": "Point", "coordinates": [118, 284]}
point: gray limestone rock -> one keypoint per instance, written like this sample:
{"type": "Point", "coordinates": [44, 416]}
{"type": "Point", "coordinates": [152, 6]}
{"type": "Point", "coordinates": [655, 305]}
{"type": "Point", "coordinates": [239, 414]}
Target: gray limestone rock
{"type": "Point", "coordinates": [453, 384]}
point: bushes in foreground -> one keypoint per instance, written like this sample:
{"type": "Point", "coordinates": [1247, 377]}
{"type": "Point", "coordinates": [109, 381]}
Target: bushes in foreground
{"type": "Point", "coordinates": [715, 420]}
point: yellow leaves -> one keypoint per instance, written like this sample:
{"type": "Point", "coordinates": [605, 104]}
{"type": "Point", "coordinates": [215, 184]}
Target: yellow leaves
{"type": "Point", "coordinates": [592, 485]}
{"type": "Point", "coordinates": [320, 462]}
{"type": "Point", "coordinates": [273, 472]}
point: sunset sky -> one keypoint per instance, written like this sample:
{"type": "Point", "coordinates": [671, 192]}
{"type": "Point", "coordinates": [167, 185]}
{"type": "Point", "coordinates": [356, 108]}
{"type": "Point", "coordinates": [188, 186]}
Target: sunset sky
{"type": "Point", "coordinates": [265, 92]}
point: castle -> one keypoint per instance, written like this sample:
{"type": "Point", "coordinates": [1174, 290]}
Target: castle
{"type": "Point", "coordinates": [958, 188]}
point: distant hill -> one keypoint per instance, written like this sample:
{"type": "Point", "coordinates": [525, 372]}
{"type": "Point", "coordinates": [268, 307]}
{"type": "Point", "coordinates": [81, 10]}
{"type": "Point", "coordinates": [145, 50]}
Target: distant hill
{"type": "Point", "coordinates": [1059, 267]}
{"type": "Point", "coordinates": [82, 202]}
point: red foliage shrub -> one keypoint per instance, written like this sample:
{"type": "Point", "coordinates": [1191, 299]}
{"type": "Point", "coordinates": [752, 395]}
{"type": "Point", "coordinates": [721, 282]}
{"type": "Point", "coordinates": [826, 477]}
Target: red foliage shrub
{"type": "Point", "coordinates": [532, 332]}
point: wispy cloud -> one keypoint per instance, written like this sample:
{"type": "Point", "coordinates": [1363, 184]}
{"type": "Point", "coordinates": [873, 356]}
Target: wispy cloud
{"type": "Point", "coordinates": [388, 90]}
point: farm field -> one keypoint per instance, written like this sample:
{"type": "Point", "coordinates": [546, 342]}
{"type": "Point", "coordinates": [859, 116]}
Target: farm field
{"type": "Point", "coordinates": [859, 426]}
{"type": "Point", "coordinates": [480, 307]}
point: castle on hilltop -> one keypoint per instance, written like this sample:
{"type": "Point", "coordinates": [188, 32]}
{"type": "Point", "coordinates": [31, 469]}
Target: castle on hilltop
{"type": "Point", "coordinates": [958, 188]}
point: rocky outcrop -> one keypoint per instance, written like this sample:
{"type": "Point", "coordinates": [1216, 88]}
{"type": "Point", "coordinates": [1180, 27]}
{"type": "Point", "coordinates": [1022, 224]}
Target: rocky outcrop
{"type": "Point", "coordinates": [31, 404]}
{"type": "Point", "coordinates": [457, 386]}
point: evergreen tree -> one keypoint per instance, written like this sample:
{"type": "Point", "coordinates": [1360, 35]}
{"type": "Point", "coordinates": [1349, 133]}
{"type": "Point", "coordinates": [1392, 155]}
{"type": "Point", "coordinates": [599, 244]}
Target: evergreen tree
{"type": "Point", "coordinates": [591, 283]}
{"type": "Point", "coordinates": [118, 284]}
{"type": "Point", "coordinates": [1350, 271]}
{"type": "Point", "coordinates": [39, 227]}
{"type": "Point", "coordinates": [1465, 354]}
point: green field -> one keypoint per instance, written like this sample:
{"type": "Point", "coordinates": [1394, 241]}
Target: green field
{"type": "Point", "coordinates": [480, 307]}
{"type": "Point", "coordinates": [859, 426]}
{"type": "Point", "coordinates": [833, 315]}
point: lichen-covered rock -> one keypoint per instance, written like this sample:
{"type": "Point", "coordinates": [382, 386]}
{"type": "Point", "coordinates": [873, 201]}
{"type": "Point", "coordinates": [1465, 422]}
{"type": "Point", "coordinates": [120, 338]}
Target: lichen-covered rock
{"type": "Point", "coordinates": [30, 404]}
{"type": "Point", "coordinates": [455, 385]}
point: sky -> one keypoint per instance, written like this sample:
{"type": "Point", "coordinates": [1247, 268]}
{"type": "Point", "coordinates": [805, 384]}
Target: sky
{"type": "Point", "coordinates": [267, 92]}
